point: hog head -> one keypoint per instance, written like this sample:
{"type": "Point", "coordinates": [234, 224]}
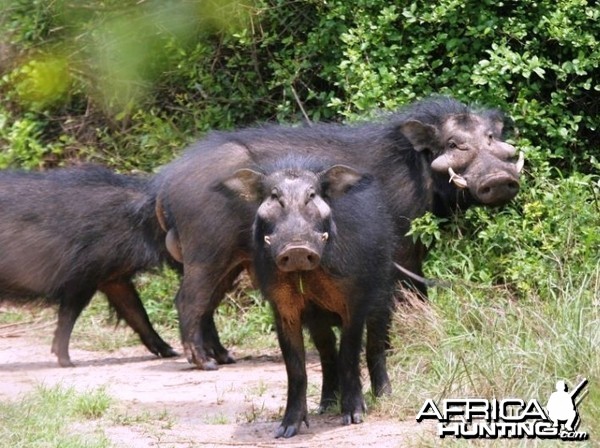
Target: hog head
{"type": "Point", "coordinates": [469, 148]}
{"type": "Point", "coordinates": [294, 221]}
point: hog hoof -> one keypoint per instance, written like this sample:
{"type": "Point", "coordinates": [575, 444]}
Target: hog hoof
{"type": "Point", "coordinates": [225, 358]}
{"type": "Point", "coordinates": [353, 411]}
{"type": "Point", "coordinates": [385, 388]}
{"type": "Point", "coordinates": [208, 364]}
{"type": "Point", "coordinates": [287, 430]}
{"type": "Point", "coordinates": [65, 362]}
{"type": "Point", "coordinates": [354, 417]}
{"type": "Point", "coordinates": [201, 362]}
{"type": "Point", "coordinates": [168, 353]}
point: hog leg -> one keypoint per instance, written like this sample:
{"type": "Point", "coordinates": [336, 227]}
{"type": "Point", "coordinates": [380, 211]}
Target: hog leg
{"type": "Point", "coordinates": [212, 342]}
{"type": "Point", "coordinates": [69, 310]}
{"type": "Point", "coordinates": [378, 326]}
{"type": "Point", "coordinates": [324, 339]}
{"type": "Point", "coordinates": [197, 298]}
{"type": "Point", "coordinates": [289, 334]}
{"type": "Point", "coordinates": [353, 404]}
{"type": "Point", "coordinates": [125, 300]}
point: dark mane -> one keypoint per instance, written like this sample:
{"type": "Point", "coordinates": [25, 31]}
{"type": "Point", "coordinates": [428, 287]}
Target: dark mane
{"type": "Point", "coordinates": [432, 110]}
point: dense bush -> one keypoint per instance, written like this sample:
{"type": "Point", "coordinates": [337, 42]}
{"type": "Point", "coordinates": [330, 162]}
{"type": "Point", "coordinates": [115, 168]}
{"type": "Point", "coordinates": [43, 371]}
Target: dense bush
{"type": "Point", "coordinates": [128, 83]}
{"type": "Point", "coordinates": [528, 249]}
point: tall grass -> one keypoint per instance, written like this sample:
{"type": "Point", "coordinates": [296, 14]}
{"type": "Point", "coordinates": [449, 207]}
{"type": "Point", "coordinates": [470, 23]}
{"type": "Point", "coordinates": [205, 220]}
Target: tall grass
{"type": "Point", "coordinates": [478, 342]}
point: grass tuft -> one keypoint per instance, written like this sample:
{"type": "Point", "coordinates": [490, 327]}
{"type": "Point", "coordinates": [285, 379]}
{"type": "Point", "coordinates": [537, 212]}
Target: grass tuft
{"type": "Point", "coordinates": [46, 418]}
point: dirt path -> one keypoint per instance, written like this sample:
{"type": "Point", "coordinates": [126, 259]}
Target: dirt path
{"type": "Point", "coordinates": [165, 403]}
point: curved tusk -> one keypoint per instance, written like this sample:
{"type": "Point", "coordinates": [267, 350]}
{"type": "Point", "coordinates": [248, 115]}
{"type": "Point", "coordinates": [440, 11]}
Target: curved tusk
{"type": "Point", "coordinates": [520, 162]}
{"type": "Point", "coordinates": [325, 236]}
{"type": "Point", "coordinates": [267, 240]}
{"type": "Point", "coordinates": [458, 180]}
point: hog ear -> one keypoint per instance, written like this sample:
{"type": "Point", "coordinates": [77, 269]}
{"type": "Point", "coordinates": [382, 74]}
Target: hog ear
{"type": "Point", "coordinates": [497, 120]}
{"type": "Point", "coordinates": [502, 125]}
{"type": "Point", "coordinates": [422, 136]}
{"type": "Point", "coordinates": [245, 183]}
{"type": "Point", "coordinates": [338, 179]}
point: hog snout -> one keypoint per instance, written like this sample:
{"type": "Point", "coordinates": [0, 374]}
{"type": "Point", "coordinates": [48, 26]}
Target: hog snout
{"type": "Point", "coordinates": [297, 258]}
{"type": "Point", "coordinates": [497, 189]}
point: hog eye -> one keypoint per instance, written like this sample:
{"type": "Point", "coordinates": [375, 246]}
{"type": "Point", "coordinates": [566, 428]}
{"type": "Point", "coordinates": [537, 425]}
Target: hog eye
{"type": "Point", "coordinates": [276, 197]}
{"type": "Point", "coordinates": [310, 196]}
{"type": "Point", "coordinates": [453, 145]}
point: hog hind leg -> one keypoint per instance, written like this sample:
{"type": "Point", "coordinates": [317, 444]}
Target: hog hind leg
{"type": "Point", "coordinates": [212, 342]}
{"type": "Point", "coordinates": [124, 298]}
{"type": "Point", "coordinates": [196, 301]}
{"type": "Point", "coordinates": [71, 305]}
{"type": "Point", "coordinates": [378, 328]}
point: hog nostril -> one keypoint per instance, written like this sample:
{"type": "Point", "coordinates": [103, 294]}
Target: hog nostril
{"type": "Point", "coordinates": [513, 186]}
{"type": "Point", "coordinates": [298, 258]}
{"type": "Point", "coordinates": [486, 190]}
{"type": "Point", "coordinates": [498, 190]}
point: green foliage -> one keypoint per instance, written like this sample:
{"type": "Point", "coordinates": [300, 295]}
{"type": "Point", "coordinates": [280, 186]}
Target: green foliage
{"type": "Point", "coordinates": [131, 71]}
{"type": "Point", "coordinates": [158, 294]}
{"type": "Point", "coordinates": [527, 246]}
{"type": "Point", "coordinates": [244, 319]}
{"type": "Point", "coordinates": [40, 82]}
{"type": "Point", "coordinates": [25, 143]}
{"type": "Point", "coordinates": [426, 229]}
{"type": "Point", "coordinates": [536, 61]}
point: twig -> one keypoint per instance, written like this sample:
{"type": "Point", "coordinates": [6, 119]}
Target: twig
{"type": "Point", "coordinates": [300, 105]}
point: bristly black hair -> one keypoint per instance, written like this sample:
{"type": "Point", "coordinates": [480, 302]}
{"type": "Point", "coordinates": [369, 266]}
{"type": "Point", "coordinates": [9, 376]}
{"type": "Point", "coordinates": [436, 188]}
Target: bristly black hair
{"type": "Point", "coordinates": [432, 110]}
{"type": "Point", "coordinates": [293, 162]}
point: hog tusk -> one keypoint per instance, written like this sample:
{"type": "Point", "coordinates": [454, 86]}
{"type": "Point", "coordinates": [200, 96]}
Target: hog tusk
{"type": "Point", "coordinates": [267, 240]}
{"type": "Point", "coordinates": [325, 236]}
{"type": "Point", "coordinates": [458, 180]}
{"type": "Point", "coordinates": [520, 162]}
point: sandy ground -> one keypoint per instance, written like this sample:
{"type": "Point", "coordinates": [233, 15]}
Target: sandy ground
{"type": "Point", "coordinates": [166, 403]}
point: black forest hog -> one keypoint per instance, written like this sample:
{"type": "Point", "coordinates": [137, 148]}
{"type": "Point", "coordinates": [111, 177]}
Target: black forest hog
{"type": "Point", "coordinates": [435, 155]}
{"type": "Point", "coordinates": [68, 233]}
{"type": "Point", "coordinates": [322, 254]}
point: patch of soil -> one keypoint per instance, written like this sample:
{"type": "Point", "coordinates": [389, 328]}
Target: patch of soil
{"type": "Point", "coordinates": [165, 402]}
